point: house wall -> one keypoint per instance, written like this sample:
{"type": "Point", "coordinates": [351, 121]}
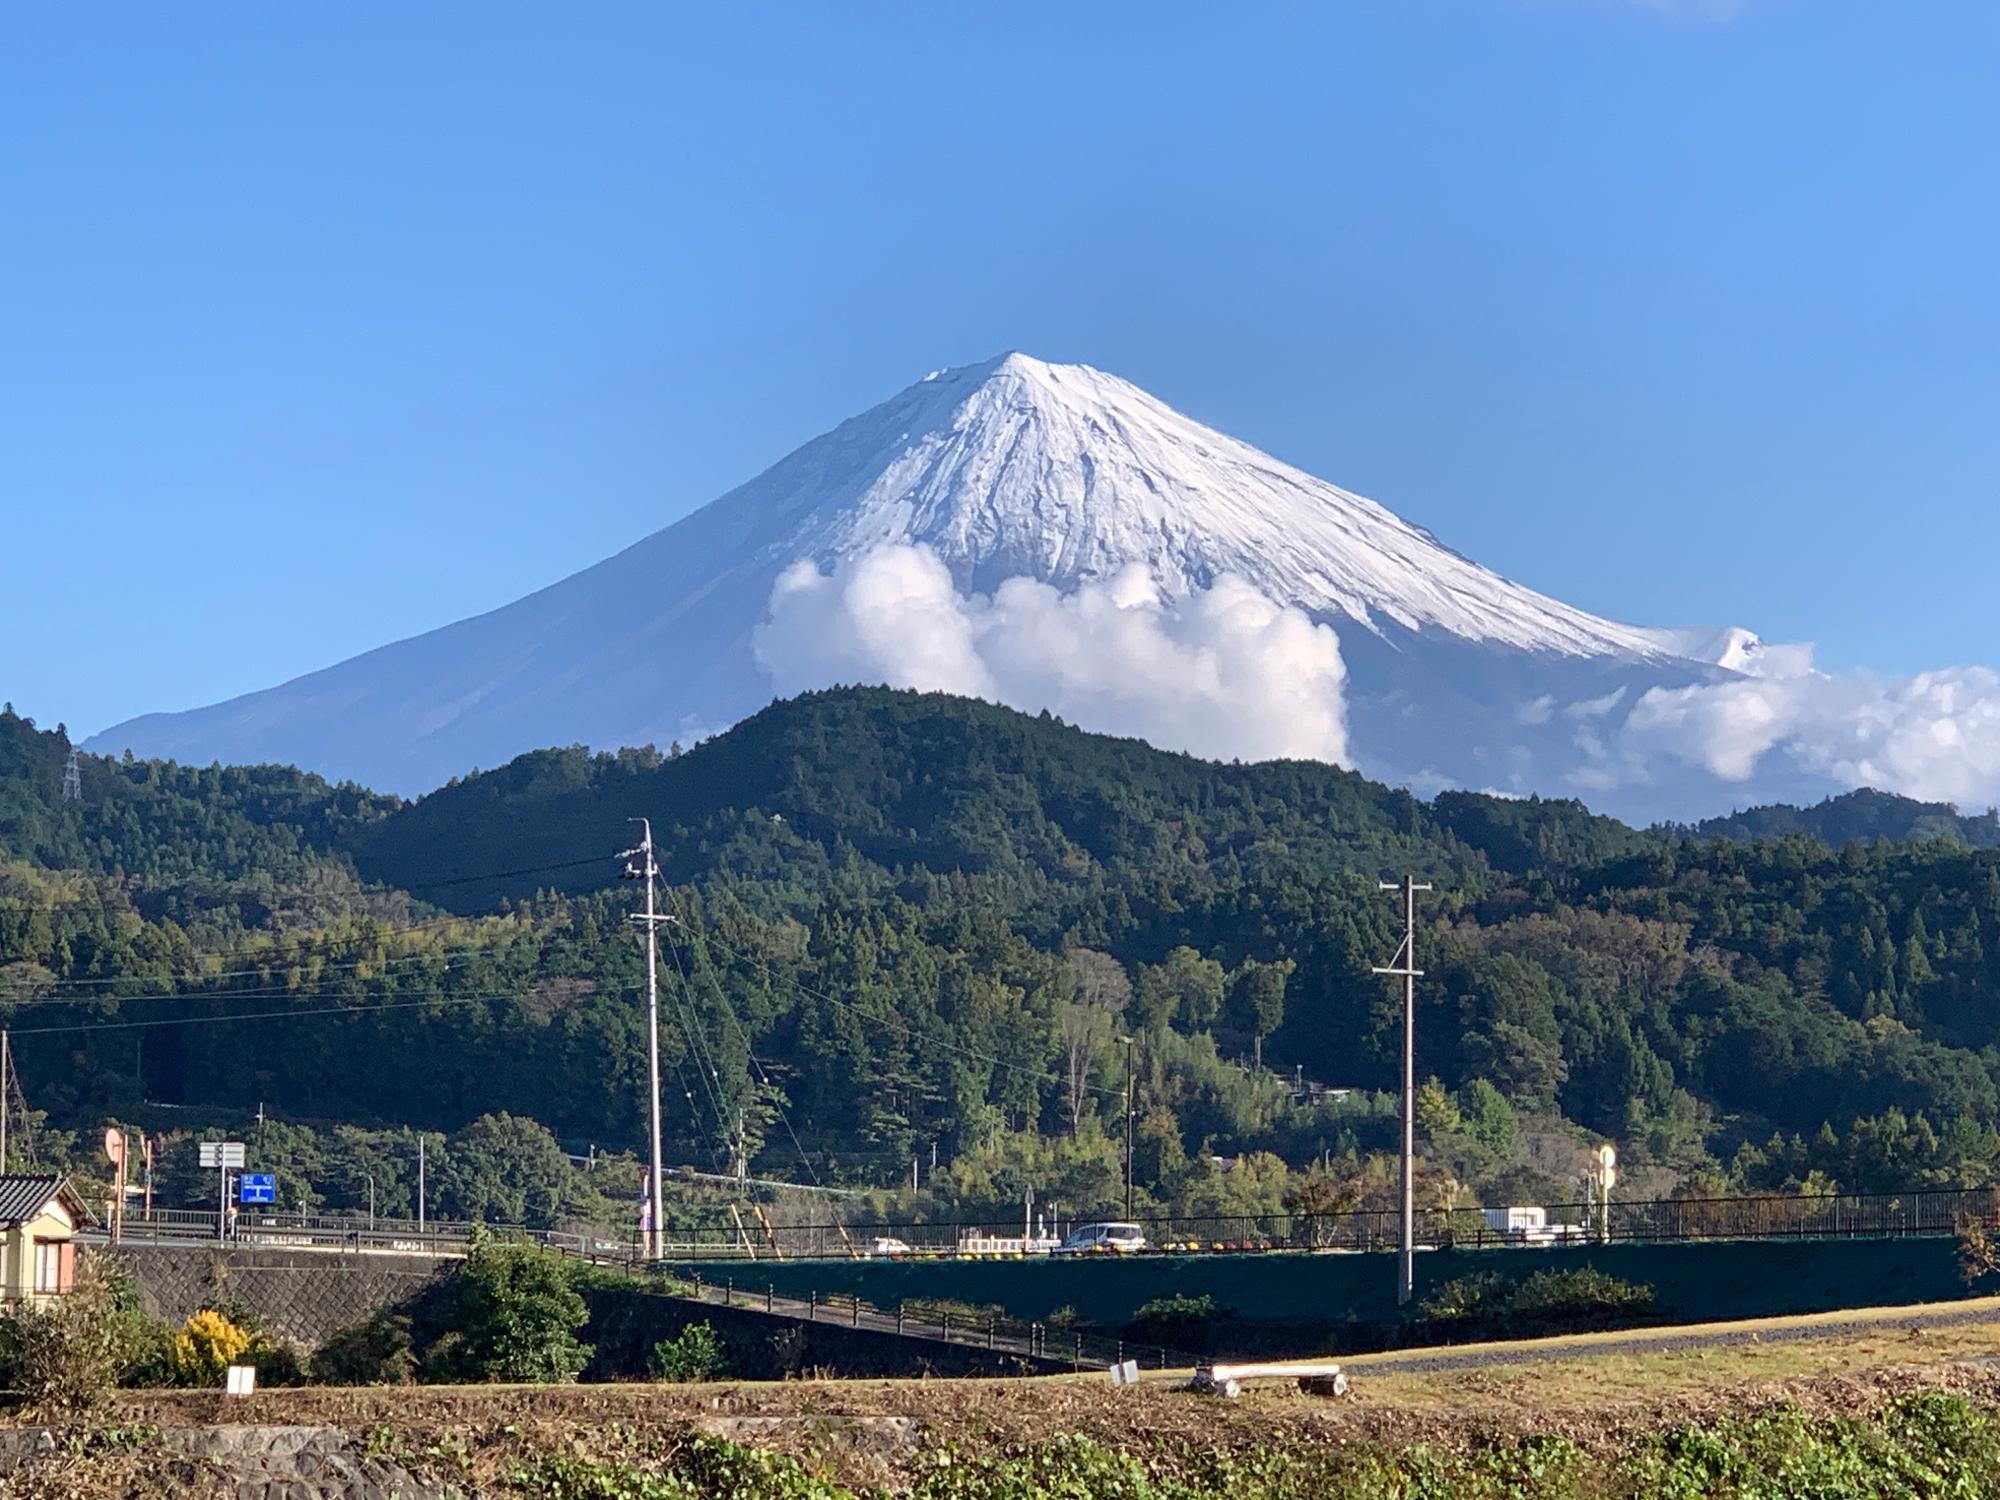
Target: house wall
{"type": "Point", "coordinates": [17, 1251]}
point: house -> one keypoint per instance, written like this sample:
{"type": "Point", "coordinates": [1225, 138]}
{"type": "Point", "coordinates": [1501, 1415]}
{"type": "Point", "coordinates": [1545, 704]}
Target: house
{"type": "Point", "coordinates": [40, 1214]}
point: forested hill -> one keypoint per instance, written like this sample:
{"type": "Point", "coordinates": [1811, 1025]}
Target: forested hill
{"type": "Point", "coordinates": [1865, 816]}
{"type": "Point", "coordinates": [902, 782]}
{"type": "Point", "coordinates": [909, 919]}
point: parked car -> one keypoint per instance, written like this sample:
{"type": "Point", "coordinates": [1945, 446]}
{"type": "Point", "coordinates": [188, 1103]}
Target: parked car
{"type": "Point", "coordinates": [885, 1246]}
{"type": "Point", "coordinates": [1095, 1239]}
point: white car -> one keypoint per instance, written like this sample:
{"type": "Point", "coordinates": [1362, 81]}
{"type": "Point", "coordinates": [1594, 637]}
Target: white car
{"type": "Point", "coordinates": [886, 1247]}
{"type": "Point", "coordinates": [1091, 1239]}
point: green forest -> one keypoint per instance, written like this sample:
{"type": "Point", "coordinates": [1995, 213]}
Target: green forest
{"type": "Point", "coordinates": [923, 937]}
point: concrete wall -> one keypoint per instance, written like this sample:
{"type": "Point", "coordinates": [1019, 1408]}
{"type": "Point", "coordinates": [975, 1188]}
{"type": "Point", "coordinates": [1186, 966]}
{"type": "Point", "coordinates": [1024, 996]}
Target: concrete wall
{"type": "Point", "coordinates": [1342, 1297]}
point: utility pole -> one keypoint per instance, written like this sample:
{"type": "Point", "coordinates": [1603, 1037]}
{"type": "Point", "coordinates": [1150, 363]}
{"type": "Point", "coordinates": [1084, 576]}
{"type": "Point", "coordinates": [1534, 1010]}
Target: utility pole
{"type": "Point", "coordinates": [6, 1094]}
{"type": "Point", "coordinates": [1130, 1058]}
{"type": "Point", "coordinates": [420, 1182]}
{"type": "Point", "coordinates": [1404, 965]}
{"type": "Point", "coordinates": [648, 871]}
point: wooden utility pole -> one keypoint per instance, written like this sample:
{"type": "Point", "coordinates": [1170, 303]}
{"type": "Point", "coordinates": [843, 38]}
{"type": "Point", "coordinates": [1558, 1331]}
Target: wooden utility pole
{"type": "Point", "coordinates": [1404, 966]}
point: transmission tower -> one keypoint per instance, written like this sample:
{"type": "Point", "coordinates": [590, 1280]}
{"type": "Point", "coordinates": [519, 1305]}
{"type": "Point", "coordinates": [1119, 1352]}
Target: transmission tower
{"type": "Point", "coordinates": [72, 779]}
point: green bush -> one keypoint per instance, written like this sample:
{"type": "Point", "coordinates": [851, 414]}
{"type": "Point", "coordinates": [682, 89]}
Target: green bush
{"type": "Point", "coordinates": [1923, 1445]}
{"type": "Point", "coordinates": [67, 1354]}
{"type": "Point", "coordinates": [511, 1312]}
{"type": "Point", "coordinates": [1165, 1319]}
{"type": "Point", "coordinates": [1489, 1305]}
{"type": "Point", "coordinates": [376, 1351]}
{"type": "Point", "coordinates": [695, 1353]}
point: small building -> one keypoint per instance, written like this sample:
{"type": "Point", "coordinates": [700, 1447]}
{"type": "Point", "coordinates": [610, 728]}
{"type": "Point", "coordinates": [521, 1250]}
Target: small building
{"type": "Point", "coordinates": [40, 1214]}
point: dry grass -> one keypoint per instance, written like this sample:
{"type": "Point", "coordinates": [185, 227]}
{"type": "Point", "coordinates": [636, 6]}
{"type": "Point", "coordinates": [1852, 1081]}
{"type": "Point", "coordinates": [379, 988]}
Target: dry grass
{"type": "Point", "coordinates": [1589, 1393]}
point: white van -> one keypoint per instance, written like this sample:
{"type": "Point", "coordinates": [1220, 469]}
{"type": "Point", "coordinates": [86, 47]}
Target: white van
{"type": "Point", "coordinates": [1116, 1239]}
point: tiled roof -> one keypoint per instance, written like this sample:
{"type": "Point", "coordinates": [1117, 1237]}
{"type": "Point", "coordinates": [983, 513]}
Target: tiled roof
{"type": "Point", "coordinates": [23, 1195]}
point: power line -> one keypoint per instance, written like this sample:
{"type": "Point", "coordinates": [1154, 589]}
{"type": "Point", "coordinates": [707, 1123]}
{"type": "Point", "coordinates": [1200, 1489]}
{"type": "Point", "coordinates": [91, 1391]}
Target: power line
{"type": "Point", "coordinates": [750, 1051]}
{"type": "Point", "coordinates": [702, 1054]}
{"type": "Point", "coordinates": [431, 885]}
{"type": "Point", "coordinates": [328, 937]}
{"type": "Point", "coordinates": [909, 1033]}
{"type": "Point", "coordinates": [450, 956]}
{"type": "Point", "coordinates": [295, 962]}
{"type": "Point", "coordinates": [127, 903]}
{"type": "Point", "coordinates": [264, 1015]}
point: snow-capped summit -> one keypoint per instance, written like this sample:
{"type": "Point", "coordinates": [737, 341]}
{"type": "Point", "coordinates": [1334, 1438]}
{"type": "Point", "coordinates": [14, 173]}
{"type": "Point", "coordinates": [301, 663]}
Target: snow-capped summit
{"type": "Point", "coordinates": [1064, 473]}
{"type": "Point", "coordinates": [1012, 468]}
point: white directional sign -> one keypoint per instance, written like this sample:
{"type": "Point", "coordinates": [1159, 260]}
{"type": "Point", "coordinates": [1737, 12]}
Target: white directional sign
{"type": "Point", "coordinates": [218, 1154]}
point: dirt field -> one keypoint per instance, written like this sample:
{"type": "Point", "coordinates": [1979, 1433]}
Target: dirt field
{"type": "Point", "coordinates": [1598, 1390]}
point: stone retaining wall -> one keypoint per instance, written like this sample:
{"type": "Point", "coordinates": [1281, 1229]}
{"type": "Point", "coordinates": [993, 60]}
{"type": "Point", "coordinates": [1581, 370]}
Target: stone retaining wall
{"type": "Point", "coordinates": [299, 1295]}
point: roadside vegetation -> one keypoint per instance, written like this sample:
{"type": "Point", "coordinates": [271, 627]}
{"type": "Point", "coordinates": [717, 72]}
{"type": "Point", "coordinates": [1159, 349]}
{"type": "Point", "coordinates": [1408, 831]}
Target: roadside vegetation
{"type": "Point", "coordinates": [508, 1312]}
{"type": "Point", "coordinates": [1494, 1306]}
{"type": "Point", "coordinates": [1923, 1446]}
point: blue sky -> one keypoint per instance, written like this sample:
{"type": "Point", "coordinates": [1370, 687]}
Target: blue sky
{"type": "Point", "coordinates": [322, 326]}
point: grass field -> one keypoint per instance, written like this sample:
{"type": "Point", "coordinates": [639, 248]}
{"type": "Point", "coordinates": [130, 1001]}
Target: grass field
{"type": "Point", "coordinates": [1597, 1391]}
{"type": "Point", "coordinates": [1526, 1380]}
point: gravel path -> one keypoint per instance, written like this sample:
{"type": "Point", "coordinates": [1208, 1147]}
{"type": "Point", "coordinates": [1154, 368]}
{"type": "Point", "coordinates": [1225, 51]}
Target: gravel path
{"type": "Point", "coordinates": [1639, 1343]}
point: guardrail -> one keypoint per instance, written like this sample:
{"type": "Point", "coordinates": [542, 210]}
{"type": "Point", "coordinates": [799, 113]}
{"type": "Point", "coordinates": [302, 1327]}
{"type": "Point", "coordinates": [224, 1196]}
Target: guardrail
{"type": "Point", "coordinates": [1828, 1216]}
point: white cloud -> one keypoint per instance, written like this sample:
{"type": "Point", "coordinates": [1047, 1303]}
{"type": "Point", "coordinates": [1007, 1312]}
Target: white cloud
{"type": "Point", "coordinates": [1934, 736]}
{"type": "Point", "coordinates": [1595, 708]}
{"type": "Point", "coordinates": [1224, 673]}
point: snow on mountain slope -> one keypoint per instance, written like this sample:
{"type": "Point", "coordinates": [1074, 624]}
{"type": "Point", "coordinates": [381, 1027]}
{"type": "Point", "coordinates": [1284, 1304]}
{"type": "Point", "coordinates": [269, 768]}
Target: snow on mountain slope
{"type": "Point", "coordinates": [1064, 473]}
{"type": "Point", "coordinates": [1010, 471]}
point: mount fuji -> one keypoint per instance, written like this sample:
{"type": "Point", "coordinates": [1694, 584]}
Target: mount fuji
{"type": "Point", "coordinates": [1054, 537]}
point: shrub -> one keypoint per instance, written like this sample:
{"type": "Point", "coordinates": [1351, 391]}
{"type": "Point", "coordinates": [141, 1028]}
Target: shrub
{"type": "Point", "coordinates": [376, 1351]}
{"type": "Point", "coordinates": [69, 1353]}
{"type": "Point", "coordinates": [277, 1362]}
{"type": "Point", "coordinates": [512, 1312]}
{"type": "Point", "coordinates": [207, 1345]}
{"type": "Point", "coordinates": [145, 1348]}
{"type": "Point", "coordinates": [1166, 1318]}
{"type": "Point", "coordinates": [1978, 1249]}
{"type": "Point", "coordinates": [1490, 1305]}
{"type": "Point", "coordinates": [695, 1353]}
{"type": "Point", "coordinates": [962, 1314]}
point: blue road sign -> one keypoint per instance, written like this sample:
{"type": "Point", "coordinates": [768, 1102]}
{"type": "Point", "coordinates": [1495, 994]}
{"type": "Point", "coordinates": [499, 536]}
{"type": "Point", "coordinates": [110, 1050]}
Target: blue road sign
{"type": "Point", "coordinates": [258, 1187]}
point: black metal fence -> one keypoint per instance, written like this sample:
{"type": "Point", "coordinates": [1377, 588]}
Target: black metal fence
{"type": "Point", "coordinates": [179, 1226]}
{"type": "Point", "coordinates": [1040, 1342]}
{"type": "Point", "coordinates": [1828, 1216]}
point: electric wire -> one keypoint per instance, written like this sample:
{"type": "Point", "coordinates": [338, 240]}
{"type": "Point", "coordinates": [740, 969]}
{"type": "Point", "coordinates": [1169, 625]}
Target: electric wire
{"type": "Point", "coordinates": [750, 1051]}
{"type": "Point", "coordinates": [704, 1067]}
{"type": "Point", "coordinates": [260, 1015]}
{"type": "Point", "coordinates": [799, 986]}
